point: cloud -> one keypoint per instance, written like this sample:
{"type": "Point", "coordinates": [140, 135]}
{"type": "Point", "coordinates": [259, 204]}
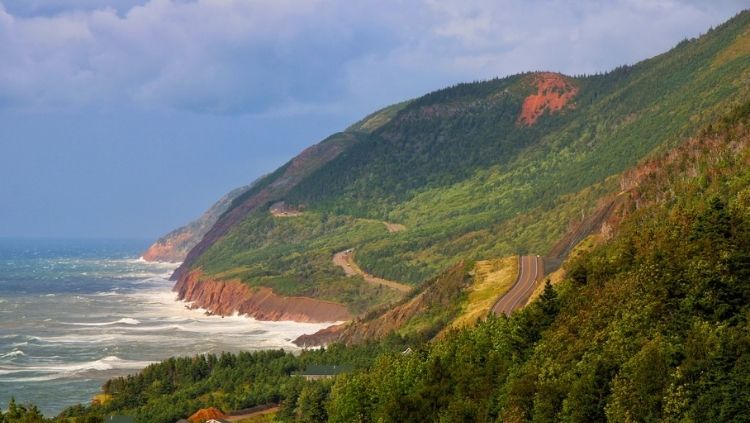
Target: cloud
{"type": "Point", "coordinates": [284, 56]}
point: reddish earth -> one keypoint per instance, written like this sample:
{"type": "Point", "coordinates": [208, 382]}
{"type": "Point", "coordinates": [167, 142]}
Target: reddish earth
{"type": "Point", "coordinates": [169, 249]}
{"type": "Point", "coordinates": [554, 91]}
{"type": "Point", "coordinates": [439, 293]}
{"type": "Point", "coordinates": [364, 330]}
{"type": "Point", "coordinates": [228, 297]}
{"type": "Point", "coordinates": [322, 337]}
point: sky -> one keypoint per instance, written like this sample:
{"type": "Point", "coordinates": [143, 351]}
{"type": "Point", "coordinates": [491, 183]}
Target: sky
{"type": "Point", "coordinates": [129, 118]}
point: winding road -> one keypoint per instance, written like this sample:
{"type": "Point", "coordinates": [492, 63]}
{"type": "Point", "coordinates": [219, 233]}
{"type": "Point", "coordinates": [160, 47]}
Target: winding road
{"type": "Point", "coordinates": [530, 271]}
{"type": "Point", "coordinates": [345, 260]}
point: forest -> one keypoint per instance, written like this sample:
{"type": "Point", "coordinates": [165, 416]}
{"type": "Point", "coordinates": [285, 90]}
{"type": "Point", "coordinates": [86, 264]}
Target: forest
{"type": "Point", "coordinates": [651, 324]}
{"type": "Point", "coordinates": [467, 181]}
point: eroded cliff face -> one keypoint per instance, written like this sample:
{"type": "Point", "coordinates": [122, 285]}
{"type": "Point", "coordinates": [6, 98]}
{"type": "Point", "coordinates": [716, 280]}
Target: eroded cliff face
{"type": "Point", "coordinates": [174, 246]}
{"type": "Point", "coordinates": [228, 297]}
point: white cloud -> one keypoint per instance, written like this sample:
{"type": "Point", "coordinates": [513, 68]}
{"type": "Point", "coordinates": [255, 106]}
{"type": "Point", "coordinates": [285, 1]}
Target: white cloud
{"type": "Point", "coordinates": [254, 56]}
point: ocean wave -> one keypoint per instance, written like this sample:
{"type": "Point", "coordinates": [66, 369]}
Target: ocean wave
{"type": "Point", "coordinates": [142, 260]}
{"type": "Point", "coordinates": [29, 379]}
{"type": "Point", "coordinates": [69, 370]}
{"type": "Point", "coordinates": [14, 353]}
{"type": "Point", "coordinates": [107, 294]}
{"type": "Point", "coordinates": [123, 321]}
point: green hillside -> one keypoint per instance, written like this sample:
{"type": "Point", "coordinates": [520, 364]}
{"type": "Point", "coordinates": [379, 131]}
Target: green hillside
{"type": "Point", "coordinates": [469, 177]}
{"type": "Point", "coordinates": [651, 325]}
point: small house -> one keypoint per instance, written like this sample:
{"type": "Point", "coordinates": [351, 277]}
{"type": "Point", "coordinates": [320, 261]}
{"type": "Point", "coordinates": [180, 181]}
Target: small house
{"type": "Point", "coordinates": [317, 372]}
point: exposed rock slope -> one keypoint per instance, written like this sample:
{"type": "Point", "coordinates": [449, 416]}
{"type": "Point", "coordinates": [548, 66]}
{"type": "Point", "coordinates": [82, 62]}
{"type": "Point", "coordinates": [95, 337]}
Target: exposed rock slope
{"type": "Point", "coordinates": [174, 246]}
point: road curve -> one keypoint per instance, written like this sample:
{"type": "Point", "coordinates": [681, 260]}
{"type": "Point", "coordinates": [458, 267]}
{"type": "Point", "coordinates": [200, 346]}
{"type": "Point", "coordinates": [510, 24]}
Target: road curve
{"type": "Point", "coordinates": [530, 271]}
{"type": "Point", "coordinates": [345, 260]}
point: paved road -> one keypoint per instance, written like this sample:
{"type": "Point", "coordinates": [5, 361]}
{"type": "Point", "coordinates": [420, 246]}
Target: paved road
{"type": "Point", "coordinates": [530, 271]}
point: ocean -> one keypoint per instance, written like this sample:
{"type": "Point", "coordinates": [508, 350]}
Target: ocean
{"type": "Point", "coordinates": [74, 313]}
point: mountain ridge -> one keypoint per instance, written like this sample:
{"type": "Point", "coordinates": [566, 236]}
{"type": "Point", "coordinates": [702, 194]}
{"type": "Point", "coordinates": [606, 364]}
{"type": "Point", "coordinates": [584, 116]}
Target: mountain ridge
{"type": "Point", "coordinates": [475, 171]}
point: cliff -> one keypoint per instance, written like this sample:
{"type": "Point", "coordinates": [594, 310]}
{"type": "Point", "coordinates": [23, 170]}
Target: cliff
{"type": "Point", "coordinates": [479, 170]}
{"type": "Point", "coordinates": [229, 297]}
{"type": "Point", "coordinates": [269, 189]}
{"type": "Point", "coordinates": [174, 246]}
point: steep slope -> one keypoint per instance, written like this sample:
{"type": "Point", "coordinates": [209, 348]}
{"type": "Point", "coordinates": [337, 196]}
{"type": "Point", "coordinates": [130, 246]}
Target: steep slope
{"type": "Point", "coordinates": [650, 325]}
{"type": "Point", "coordinates": [475, 171]}
{"type": "Point", "coordinates": [459, 297]}
{"type": "Point", "coordinates": [174, 246]}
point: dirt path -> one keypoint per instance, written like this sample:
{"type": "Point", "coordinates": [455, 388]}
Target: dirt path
{"type": "Point", "coordinates": [345, 260]}
{"type": "Point", "coordinates": [238, 417]}
{"type": "Point", "coordinates": [394, 227]}
{"type": "Point", "coordinates": [530, 270]}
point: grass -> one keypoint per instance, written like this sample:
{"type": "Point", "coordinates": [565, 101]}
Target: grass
{"type": "Point", "coordinates": [492, 278]}
{"type": "Point", "coordinates": [101, 398]}
{"type": "Point", "coordinates": [260, 418]}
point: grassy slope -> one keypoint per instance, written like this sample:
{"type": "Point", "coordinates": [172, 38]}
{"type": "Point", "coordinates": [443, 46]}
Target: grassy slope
{"type": "Point", "coordinates": [651, 325]}
{"type": "Point", "coordinates": [492, 278]}
{"type": "Point", "coordinates": [468, 182]}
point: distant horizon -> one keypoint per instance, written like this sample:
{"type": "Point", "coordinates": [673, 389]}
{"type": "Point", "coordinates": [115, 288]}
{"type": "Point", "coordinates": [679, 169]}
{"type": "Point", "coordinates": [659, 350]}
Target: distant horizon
{"type": "Point", "coordinates": [116, 137]}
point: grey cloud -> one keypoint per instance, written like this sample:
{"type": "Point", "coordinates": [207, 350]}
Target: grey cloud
{"type": "Point", "coordinates": [263, 57]}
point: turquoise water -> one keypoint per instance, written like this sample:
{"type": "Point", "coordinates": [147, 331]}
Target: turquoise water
{"type": "Point", "coordinates": [75, 313]}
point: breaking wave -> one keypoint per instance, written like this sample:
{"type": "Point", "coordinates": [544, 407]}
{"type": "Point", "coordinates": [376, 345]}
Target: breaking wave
{"type": "Point", "coordinates": [123, 321]}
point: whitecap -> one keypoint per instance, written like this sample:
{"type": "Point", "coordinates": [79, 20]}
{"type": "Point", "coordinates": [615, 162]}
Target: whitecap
{"type": "Point", "coordinates": [106, 363]}
{"type": "Point", "coordinates": [123, 321]}
{"type": "Point", "coordinates": [14, 353]}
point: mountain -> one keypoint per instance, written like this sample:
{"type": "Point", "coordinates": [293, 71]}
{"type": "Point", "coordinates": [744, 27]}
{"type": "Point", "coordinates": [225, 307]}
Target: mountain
{"type": "Point", "coordinates": [647, 320]}
{"type": "Point", "coordinates": [174, 246]}
{"type": "Point", "coordinates": [649, 323]}
{"type": "Point", "coordinates": [477, 171]}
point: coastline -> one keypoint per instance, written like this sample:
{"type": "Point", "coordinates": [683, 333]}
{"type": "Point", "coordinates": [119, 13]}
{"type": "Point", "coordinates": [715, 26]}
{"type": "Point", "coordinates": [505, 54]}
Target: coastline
{"type": "Point", "coordinates": [94, 312]}
{"type": "Point", "coordinates": [226, 298]}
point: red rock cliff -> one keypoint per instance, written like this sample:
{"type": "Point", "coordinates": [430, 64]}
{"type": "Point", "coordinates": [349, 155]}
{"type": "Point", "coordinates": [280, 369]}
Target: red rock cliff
{"type": "Point", "coordinates": [227, 297]}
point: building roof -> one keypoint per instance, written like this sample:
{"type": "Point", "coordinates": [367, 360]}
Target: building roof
{"type": "Point", "coordinates": [320, 370]}
{"type": "Point", "coordinates": [206, 414]}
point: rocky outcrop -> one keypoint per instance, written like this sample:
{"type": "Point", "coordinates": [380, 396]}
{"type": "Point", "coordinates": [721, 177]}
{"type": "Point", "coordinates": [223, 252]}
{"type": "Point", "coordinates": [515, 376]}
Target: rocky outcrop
{"type": "Point", "coordinates": [322, 337]}
{"type": "Point", "coordinates": [174, 246]}
{"type": "Point", "coordinates": [554, 92]}
{"type": "Point", "coordinates": [229, 297]}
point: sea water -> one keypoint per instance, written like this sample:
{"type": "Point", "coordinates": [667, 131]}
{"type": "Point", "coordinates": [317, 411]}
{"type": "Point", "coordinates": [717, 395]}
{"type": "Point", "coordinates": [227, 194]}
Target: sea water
{"type": "Point", "coordinates": [75, 313]}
